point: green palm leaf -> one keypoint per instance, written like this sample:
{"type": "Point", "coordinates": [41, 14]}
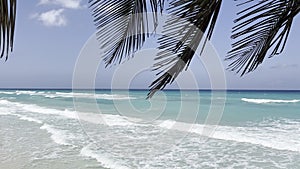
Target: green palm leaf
{"type": "Point", "coordinates": [7, 26]}
{"type": "Point", "coordinates": [263, 26]}
{"type": "Point", "coordinates": [123, 25]}
{"type": "Point", "coordinates": [197, 17]}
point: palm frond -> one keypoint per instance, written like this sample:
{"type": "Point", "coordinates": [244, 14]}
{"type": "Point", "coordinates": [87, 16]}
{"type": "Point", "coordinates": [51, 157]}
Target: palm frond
{"type": "Point", "coordinates": [181, 37]}
{"type": "Point", "coordinates": [263, 26]}
{"type": "Point", "coordinates": [7, 26]}
{"type": "Point", "coordinates": [123, 25]}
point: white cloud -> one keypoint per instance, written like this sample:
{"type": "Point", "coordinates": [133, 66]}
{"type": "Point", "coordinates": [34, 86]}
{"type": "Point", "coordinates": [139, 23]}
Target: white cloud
{"type": "Point", "coordinates": [51, 18]}
{"type": "Point", "coordinates": [73, 4]}
{"type": "Point", "coordinates": [56, 17]}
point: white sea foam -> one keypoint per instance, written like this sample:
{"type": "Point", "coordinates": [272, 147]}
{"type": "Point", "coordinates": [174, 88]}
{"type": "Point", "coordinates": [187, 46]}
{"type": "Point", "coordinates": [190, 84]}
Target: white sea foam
{"type": "Point", "coordinates": [21, 107]}
{"type": "Point", "coordinates": [30, 119]}
{"type": "Point", "coordinates": [4, 113]}
{"type": "Point", "coordinates": [22, 92]}
{"type": "Point", "coordinates": [168, 124]}
{"type": "Point", "coordinates": [276, 135]}
{"type": "Point", "coordinates": [271, 134]}
{"type": "Point", "coordinates": [262, 101]}
{"type": "Point", "coordinates": [51, 96]}
{"type": "Point", "coordinates": [5, 109]}
{"type": "Point", "coordinates": [87, 96]}
{"type": "Point", "coordinates": [275, 138]}
{"type": "Point", "coordinates": [104, 161]}
{"type": "Point", "coordinates": [116, 120]}
{"type": "Point", "coordinates": [5, 92]}
{"type": "Point", "coordinates": [11, 111]}
{"type": "Point", "coordinates": [19, 92]}
{"type": "Point", "coordinates": [105, 119]}
{"type": "Point", "coordinates": [69, 95]}
{"type": "Point", "coordinates": [4, 102]}
{"type": "Point", "coordinates": [42, 110]}
{"type": "Point", "coordinates": [58, 136]}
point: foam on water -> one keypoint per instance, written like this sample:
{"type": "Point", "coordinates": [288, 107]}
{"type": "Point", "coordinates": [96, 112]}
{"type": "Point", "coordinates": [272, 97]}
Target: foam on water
{"type": "Point", "coordinates": [123, 142]}
{"type": "Point", "coordinates": [58, 136]}
{"type": "Point", "coordinates": [3, 102]}
{"type": "Point", "coordinates": [4, 113]}
{"type": "Point", "coordinates": [88, 96]}
{"type": "Point", "coordinates": [20, 107]}
{"type": "Point", "coordinates": [5, 92]}
{"type": "Point", "coordinates": [51, 96]}
{"type": "Point", "coordinates": [262, 101]}
{"type": "Point", "coordinates": [6, 108]}
{"type": "Point", "coordinates": [168, 124]}
{"type": "Point", "coordinates": [106, 119]}
{"type": "Point", "coordinates": [19, 92]}
{"type": "Point", "coordinates": [30, 119]}
{"type": "Point", "coordinates": [69, 95]}
{"type": "Point", "coordinates": [116, 120]}
{"type": "Point", "coordinates": [104, 161]}
{"type": "Point", "coordinates": [12, 110]}
{"type": "Point", "coordinates": [279, 135]}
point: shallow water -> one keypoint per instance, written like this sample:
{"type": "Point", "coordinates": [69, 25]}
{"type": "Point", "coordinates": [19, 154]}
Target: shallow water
{"type": "Point", "coordinates": [83, 129]}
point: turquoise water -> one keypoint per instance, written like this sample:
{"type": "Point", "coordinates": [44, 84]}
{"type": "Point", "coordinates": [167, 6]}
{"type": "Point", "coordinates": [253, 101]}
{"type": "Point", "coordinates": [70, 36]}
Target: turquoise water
{"type": "Point", "coordinates": [175, 129]}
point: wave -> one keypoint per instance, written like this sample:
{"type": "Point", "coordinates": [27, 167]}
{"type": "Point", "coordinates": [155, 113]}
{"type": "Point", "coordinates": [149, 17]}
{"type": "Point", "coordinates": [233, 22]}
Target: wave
{"type": "Point", "coordinates": [262, 101]}
{"type": "Point", "coordinates": [271, 133]}
{"type": "Point", "coordinates": [104, 161]}
{"type": "Point", "coordinates": [19, 92]}
{"type": "Point", "coordinates": [58, 136]}
{"type": "Point", "coordinates": [4, 113]}
{"type": "Point", "coordinates": [9, 107]}
{"type": "Point", "coordinates": [30, 119]}
{"type": "Point", "coordinates": [52, 95]}
{"type": "Point", "coordinates": [14, 107]}
{"type": "Point", "coordinates": [6, 92]}
{"type": "Point", "coordinates": [276, 134]}
{"type": "Point", "coordinates": [89, 96]}
{"type": "Point", "coordinates": [167, 124]}
{"type": "Point", "coordinates": [275, 137]}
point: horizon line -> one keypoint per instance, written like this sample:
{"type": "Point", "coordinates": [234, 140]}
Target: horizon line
{"type": "Point", "coordinates": [138, 89]}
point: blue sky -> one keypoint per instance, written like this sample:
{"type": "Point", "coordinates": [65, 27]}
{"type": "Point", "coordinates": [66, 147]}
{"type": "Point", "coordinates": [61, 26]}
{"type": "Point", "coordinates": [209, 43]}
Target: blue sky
{"type": "Point", "coordinates": [51, 33]}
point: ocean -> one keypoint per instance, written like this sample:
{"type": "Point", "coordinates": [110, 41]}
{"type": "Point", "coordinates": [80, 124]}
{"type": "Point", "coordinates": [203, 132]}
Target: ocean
{"type": "Point", "coordinates": [65, 129]}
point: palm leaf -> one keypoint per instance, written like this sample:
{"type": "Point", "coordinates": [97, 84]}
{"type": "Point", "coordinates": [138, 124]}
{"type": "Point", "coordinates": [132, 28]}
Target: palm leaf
{"type": "Point", "coordinates": [7, 26]}
{"type": "Point", "coordinates": [123, 25]}
{"type": "Point", "coordinates": [262, 27]}
{"type": "Point", "coordinates": [193, 19]}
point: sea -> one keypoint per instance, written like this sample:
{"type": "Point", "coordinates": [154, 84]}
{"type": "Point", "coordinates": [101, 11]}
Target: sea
{"type": "Point", "coordinates": [119, 129]}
